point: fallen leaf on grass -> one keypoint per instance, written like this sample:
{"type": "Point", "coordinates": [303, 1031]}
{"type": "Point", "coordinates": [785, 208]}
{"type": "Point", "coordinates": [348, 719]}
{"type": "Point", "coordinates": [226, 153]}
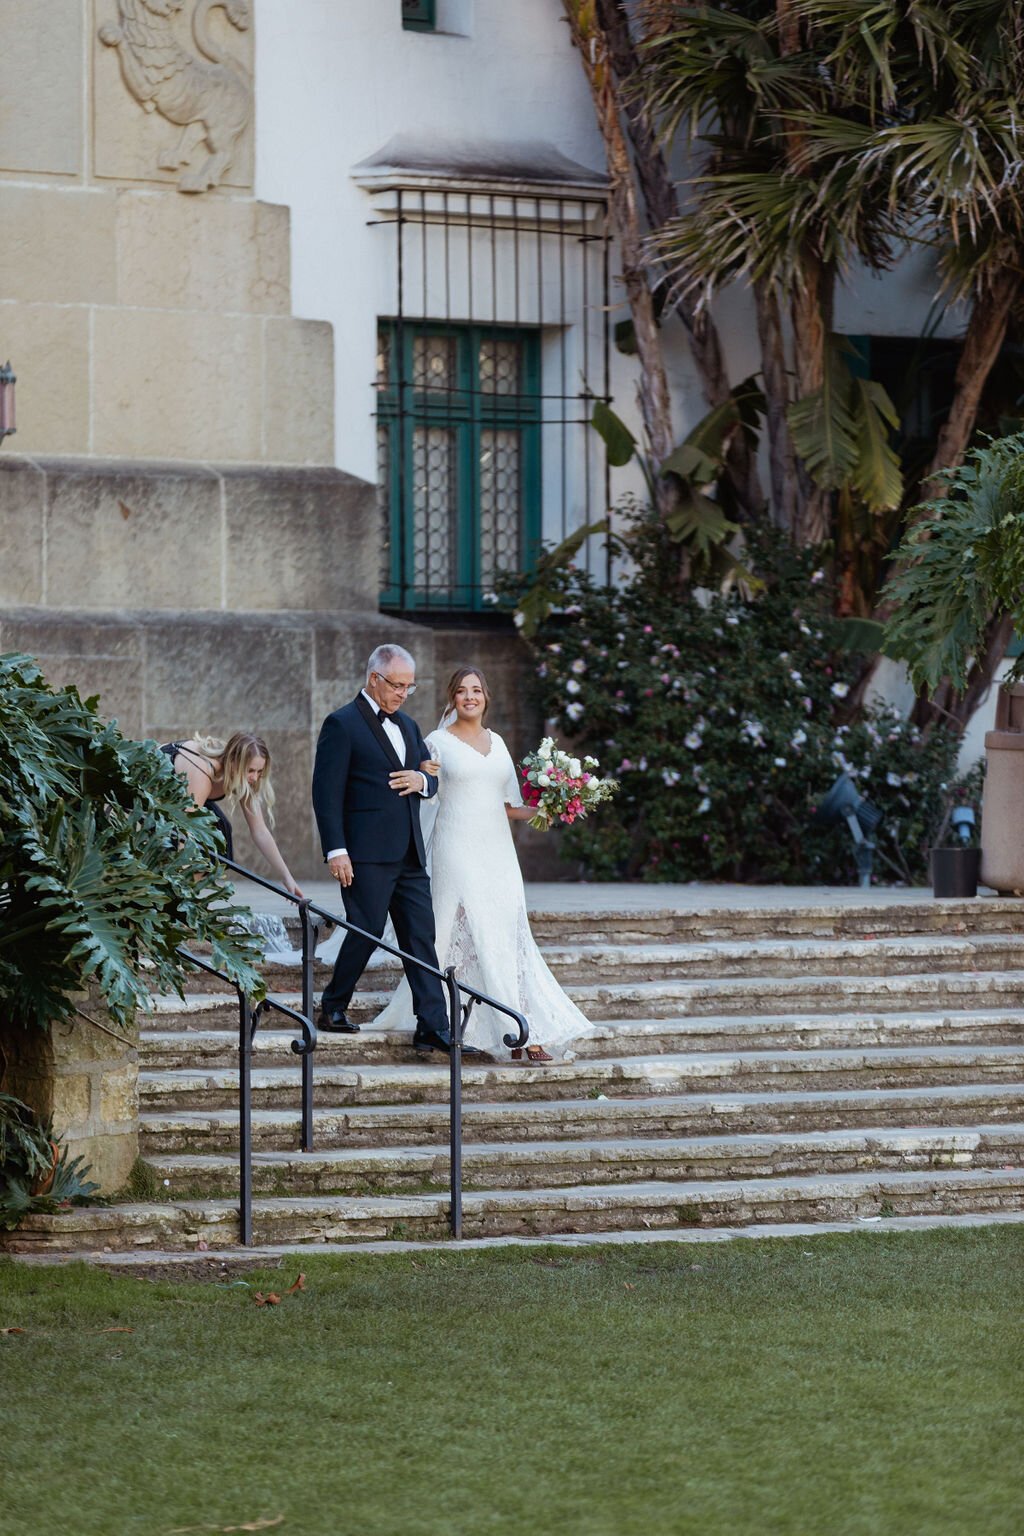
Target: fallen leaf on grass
{"type": "Point", "coordinates": [115, 1330]}
{"type": "Point", "coordinates": [272, 1299]}
{"type": "Point", "coordinates": [12, 1330]}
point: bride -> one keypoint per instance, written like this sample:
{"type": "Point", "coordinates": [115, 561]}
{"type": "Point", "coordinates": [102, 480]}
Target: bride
{"type": "Point", "coordinates": [479, 901]}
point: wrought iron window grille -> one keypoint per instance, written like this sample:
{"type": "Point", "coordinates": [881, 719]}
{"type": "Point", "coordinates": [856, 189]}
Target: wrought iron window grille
{"type": "Point", "coordinates": [489, 365]}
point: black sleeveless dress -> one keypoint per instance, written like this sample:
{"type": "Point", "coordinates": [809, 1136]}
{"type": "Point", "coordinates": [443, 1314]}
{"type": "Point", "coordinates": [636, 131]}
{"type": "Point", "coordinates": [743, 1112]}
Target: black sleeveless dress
{"type": "Point", "coordinates": [171, 749]}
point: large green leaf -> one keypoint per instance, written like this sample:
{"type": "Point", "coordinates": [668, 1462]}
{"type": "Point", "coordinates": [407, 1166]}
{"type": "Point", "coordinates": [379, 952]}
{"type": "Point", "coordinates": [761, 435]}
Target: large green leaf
{"type": "Point", "coordinates": [619, 442]}
{"type": "Point", "coordinates": [842, 434]}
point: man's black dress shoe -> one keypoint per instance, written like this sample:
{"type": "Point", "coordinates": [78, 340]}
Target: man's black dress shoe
{"type": "Point", "coordinates": [335, 1024]}
{"type": "Point", "coordinates": [426, 1040]}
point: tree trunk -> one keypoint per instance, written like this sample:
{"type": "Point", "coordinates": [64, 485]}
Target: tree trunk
{"type": "Point", "coordinates": [655, 403]}
{"type": "Point", "coordinates": [951, 709]}
{"type": "Point", "coordinates": [811, 312]}
{"type": "Point", "coordinates": [662, 207]}
{"type": "Point", "coordinates": [775, 372]}
{"type": "Point", "coordinates": [985, 334]}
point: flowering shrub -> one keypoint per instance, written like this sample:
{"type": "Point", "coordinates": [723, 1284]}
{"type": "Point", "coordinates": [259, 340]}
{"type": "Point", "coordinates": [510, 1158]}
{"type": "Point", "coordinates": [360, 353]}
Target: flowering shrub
{"type": "Point", "coordinates": [560, 786]}
{"type": "Point", "coordinates": [726, 720]}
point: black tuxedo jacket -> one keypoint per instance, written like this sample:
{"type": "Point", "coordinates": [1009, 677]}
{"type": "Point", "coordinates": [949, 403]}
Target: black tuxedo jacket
{"type": "Point", "coordinates": [354, 806]}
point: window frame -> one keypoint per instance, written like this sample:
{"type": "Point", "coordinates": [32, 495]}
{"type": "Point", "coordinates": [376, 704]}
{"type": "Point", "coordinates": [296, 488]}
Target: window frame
{"type": "Point", "coordinates": [469, 412]}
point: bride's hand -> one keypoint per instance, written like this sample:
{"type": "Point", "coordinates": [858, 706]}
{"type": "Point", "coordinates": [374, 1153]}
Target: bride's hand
{"type": "Point", "coordinates": [431, 766]}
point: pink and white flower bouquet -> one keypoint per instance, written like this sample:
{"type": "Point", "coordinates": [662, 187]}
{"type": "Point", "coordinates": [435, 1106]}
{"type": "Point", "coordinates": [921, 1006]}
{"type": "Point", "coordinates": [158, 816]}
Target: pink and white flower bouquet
{"type": "Point", "coordinates": [561, 787]}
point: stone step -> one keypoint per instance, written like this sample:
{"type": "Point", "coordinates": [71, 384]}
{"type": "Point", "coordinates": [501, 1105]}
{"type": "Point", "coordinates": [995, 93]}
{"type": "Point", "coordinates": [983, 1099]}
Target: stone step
{"type": "Point", "coordinates": [166, 1131]}
{"type": "Point", "coordinates": [551, 1164]}
{"type": "Point", "coordinates": [749, 914]}
{"type": "Point", "coordinates": [602, 1002]}
{"type": "Point", "coordinates": [338, 1086]}
{"type": "Point", "coordinates": [618, 961]}
{"type": "Point", "coordinates": [594, 1208]}
{"type": "Point", "coordinates": [183, 1048]}
{"type": "Point", "coordinates": [269, 1255]}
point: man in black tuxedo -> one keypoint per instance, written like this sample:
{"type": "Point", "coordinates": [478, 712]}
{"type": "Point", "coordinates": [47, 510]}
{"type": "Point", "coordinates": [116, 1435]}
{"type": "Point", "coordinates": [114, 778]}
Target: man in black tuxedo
{"type": "Point", "coordinates": [367, 788]}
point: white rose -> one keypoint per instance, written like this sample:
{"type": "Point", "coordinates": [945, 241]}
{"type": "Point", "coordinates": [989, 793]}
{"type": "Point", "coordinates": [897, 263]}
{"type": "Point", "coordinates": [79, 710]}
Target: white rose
{"type": "Point", "coordinates": [543, 780]}
{"type": "Point", "coordinates": [575, 767]}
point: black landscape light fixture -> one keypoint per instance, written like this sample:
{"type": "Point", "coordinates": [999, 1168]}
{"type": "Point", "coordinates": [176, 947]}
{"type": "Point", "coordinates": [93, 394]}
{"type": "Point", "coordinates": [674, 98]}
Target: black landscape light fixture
{"type": "Point", "coordinates": [844, 802]}
{"type": "Point", "coordinates": [7, 418]}
{"type": "Point", "coordinates": [961, 819]}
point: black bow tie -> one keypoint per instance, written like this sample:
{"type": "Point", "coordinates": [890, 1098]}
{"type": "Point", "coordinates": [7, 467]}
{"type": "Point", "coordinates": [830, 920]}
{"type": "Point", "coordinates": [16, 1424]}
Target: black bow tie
{"type": "Point", "coordinates": [383, 715]}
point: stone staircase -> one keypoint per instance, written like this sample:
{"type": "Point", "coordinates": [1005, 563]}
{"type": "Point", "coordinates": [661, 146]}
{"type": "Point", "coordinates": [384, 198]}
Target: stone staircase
{"type": "Point", "coordinates": [766, 1065]}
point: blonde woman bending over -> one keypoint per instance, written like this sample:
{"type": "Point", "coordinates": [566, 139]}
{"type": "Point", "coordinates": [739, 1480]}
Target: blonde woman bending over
{"type": "Point", "coordinates": [236, 770]}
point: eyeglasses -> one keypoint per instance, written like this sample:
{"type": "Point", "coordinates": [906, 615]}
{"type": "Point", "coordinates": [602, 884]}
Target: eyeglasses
{"type": "Point", "coordinates": [407, 688]}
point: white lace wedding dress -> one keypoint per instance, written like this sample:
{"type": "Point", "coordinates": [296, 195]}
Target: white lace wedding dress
{"type": "Point", "coordinates": [480, 904]}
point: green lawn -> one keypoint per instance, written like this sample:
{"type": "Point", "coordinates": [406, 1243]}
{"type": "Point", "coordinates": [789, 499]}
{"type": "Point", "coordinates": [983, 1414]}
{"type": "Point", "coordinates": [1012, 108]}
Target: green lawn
{"type": "Point", "coordinates": [839, 1385]}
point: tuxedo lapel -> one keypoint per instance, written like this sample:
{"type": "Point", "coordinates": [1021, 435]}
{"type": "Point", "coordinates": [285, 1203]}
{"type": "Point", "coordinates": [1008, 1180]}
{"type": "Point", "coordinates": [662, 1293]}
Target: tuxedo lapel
{"type": "Point", "coordinates": [369, 714]}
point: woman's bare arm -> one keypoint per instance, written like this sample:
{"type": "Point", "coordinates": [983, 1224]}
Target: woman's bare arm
{"type": "Point", "coordinates": [264, 840]}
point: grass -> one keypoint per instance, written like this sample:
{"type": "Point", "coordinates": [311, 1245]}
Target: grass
{"type": "Point", "coordinates": [867, 1385]}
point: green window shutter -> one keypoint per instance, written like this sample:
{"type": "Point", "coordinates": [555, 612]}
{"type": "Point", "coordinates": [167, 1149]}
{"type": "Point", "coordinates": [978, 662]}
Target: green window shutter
{"type": "Point", "coordinates": [419, 15]}
{"type": "Point", "coordinates": [459, 412]}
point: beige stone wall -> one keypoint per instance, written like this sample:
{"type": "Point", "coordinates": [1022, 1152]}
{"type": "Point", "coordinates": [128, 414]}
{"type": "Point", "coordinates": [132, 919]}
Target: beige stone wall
{"type": "Point", "coordinates": [85, 1076]}
{"type": "Point", "coordinates": [144, 321]}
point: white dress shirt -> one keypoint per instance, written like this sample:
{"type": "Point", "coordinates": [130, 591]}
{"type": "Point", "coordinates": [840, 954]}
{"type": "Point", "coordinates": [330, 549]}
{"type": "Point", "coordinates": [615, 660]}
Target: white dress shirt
{"type": "Point", "coordinates": [393, 732]}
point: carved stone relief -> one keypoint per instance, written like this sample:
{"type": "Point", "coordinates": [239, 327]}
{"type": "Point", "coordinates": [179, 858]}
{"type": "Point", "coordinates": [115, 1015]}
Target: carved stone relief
{"type": "Point", "coordinates": [180, 73]}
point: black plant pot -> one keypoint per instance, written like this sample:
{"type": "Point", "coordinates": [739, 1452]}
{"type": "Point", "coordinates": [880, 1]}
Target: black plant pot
{"type": "Point", "coordinates": [955, 871]}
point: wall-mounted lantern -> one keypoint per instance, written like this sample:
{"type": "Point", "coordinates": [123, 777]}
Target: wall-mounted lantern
{"type": "Point", "coordinates": [7, 419]}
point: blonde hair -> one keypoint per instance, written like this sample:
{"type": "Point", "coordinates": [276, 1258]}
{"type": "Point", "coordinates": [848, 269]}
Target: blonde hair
{"type": "Point", "coordinates": [456, 680]}
{"type": "Point", "coordinates": [234, 756]}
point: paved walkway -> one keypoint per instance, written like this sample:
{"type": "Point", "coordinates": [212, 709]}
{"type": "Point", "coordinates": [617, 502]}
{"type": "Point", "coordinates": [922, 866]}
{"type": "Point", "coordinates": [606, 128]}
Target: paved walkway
{"type": "Point", "coordinates": [585, 896]}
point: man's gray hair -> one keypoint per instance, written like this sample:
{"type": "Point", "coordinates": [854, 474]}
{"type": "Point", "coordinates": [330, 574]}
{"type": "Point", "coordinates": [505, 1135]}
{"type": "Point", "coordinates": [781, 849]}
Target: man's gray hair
{"type": "Point", "coordinates": [385, 656]}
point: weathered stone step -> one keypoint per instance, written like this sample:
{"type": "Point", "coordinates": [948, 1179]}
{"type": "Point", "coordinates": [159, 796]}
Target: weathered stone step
{"type": "Point", "coordinates": [672, 1115]}
{"type": "Point", "coordinates": [195, 1047]}
{"type": "Point", "coordinates": [618, 961]}
{"type": "Point", "coordinates": [337, 1086]}
{"type": "Point", "coordinates": [749, 914]}
{"type": "Point", "coordinates": [595, 1208]}
{"type": "Point", "coordinates": [518, 1165]}
{"type": "Point", "coordinates": [731, 996]}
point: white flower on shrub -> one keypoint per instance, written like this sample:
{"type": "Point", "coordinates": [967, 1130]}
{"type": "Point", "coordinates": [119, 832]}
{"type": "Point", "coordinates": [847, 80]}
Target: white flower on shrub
{"type": "Point", "coordinates": [893, 780]}
{"type": "Point", "coordinates": [574, 711]}
{"type": "Point", "coordinates": [797, 677]}
{"type": "Point", "coordinates": [671, 777]}
{"type": "Point", "coordinates": [693, 740]}
{"type": "Point", "coordinates": [753, 730]}
{"type": "Point", "coordinates": [732, 618]}
{"type": "Point", "coordinates": [572, 686]}
{"type": "Point", "coordinates": [839, 690]}
{"type": "Point", "coordinates": [798, 738]}
{"type": "Point", "coordinates": [490, 597]}
{"type": "Point", "coordinates": [704, 806]}
{"type": "Point", "coordinates": [780, 762]}
{"type": "Point", "coordinates": [579, 665]}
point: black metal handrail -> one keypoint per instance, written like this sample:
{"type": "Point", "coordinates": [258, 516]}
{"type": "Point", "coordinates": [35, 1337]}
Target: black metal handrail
{"type": "Point", "coordinates": [249, 1016]}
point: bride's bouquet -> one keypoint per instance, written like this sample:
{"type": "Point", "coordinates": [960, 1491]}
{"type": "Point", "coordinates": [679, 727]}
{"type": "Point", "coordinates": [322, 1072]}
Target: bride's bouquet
{"type": "Point", "coordinates": [561, 787]}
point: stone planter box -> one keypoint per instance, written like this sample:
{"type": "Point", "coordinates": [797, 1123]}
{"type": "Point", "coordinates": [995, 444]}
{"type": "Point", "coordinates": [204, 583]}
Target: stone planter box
{"type": "Point", "coordinates": [1002, 824]}
{"type": "Point", "coordinates": [87, 1080]}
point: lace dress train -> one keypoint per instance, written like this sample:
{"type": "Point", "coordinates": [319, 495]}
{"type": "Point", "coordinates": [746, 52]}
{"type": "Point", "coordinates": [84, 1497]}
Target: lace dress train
{"type": "Point", "coordinates": [480, 904]}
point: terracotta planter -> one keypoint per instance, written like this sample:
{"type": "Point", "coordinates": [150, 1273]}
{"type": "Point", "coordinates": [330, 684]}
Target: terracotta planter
{"type": "Point", "coordinates": [1002, 809]}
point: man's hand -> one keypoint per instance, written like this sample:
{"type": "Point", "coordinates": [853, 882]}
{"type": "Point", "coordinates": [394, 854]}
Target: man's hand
{"type": "Point", "coordinates": [341, 869]}
{"type": "Point", "coordinates": [407, 781]}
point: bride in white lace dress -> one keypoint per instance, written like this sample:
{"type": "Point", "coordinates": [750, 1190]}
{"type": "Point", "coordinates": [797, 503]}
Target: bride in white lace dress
{"type": "Point", "coordinates": [479, 901]}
